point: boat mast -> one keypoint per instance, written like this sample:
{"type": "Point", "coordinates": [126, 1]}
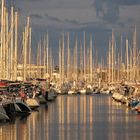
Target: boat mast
{"type": "Point", "coordinates": [134, 55]}
{"type": "Point", "coordinates": [68, 57]}
{"type": "Point", "coordinates": [7, 48]}
{"type": "Point", "coordinates": [47, 51]}
{"type": "Point", "coordinates": [30, 50]}
{"type": "Point", "coordinates": [96, 62]}
{"type": "Point", "coordinates": [81, 60]}
{"type": "Point", "coordinates": [118, 67]}
{"type": "Point", "coordinates": [16, 45]}
{"type": "Point", "coordinates": [60, 63]}
{"type": "Point", "coordinates": [63, 58]}
{"type": "Point", "coordinates": [4, 44]}
{"type": "Point", "coordinates": [50, 63]}
{"type": "Point", "coordinates": [25, 48]}
{"type": "Point", "coordinates": [12, 42]}
{"type": "Point", "coordinates": [121, 60]}
{"type": "Point", "coordinates": [127, 61]}
{"type": "Point", "coordinates": [75, 61]}
{"type": "Point", "coordinates": [23, 44]}
{"type": "Point", "coordinates": [24, 55]}
{"type": "Point", "coordinates": [88, 64]}
{"type": "Point", "coordinates": [109, 63]}
{"type": "Point", "coordinates": [84, 57]}
{"type": "Point", "coordinates": [131, 65]}
{"type": "Point", "coordinates": [44, 45]}
{"type": "Point", "coordinates": [91, 63]}
{"type": "Point", "coordinates": [112, 58]}
{"type": "Point", "coordinates": [1, 37]}
{"type": "Point", "coordinates": [38, 60]}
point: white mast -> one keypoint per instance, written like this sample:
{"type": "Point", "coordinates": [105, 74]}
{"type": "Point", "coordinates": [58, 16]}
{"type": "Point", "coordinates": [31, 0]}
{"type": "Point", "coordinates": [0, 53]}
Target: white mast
{"type": "Point", "coordinates": [40, 62]}
{"type": "Point", "coordinates": [131, 65]}
{"type": "Point", "coordinates": [60, 63]}
{"type": "Point", "coordinates": [16, 45]}
{"type": "Point", "coordinates": [88, 64]}
{"type": "Point", "coordinates": [84, 56]}
{"type": "Point", "coordinates": [127, 61]}
{"type": "Point", "coordinates": [30, 50]}
{"type": "Point", "coordinates": [50, 63]}
{"type": "Point", "coordinates": [47, 54]}
{"type": "Point", "coordinates": [25, 55]}
{"type": "Point", "coordinates": [75, 60]}
{"type": "Point", "coordinates": [44, 55]}
{"type": "Point", "coordinates": [134, 55]}
{"type": "Point", "coordinates": [25, 48]}
{"type": "Point", "coordinates": [68, 57]}
{"type": "Point", "coordinates": [37, 60]}
{"type": "Point", "coordinates": [112, 58]}
{"type": "Point", "coordinates": [91, 63]}
{"type": "Point", "coordinates": [118, 68]}
{"type": "Point", "coordinates": [4, 44]}
{"type": "Point", "coordinates": [81, 60]}
{"type": "Point", "coordinates": [12, 41]}
{"type": "Point", "coordinates": [7, 48]}
{"type": "Point", "coordinates": [63, 67]}
{"type": "Point", "coordinates": [1, 37]}
{"type": "Point", "coordinates": [109, 63]}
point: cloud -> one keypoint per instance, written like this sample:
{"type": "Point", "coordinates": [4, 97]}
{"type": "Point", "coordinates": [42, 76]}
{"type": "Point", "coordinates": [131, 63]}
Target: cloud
{"type": "Point", "coordinates": [37, 16]}
{"type": "Point", "coordinates": [109, 10]}
{"type": "Point", "coordinates": [29, 0]}
{"type": "Point", "coordinates": [52, 18]}
{"type": "Point", "coordinates": [127, 2]}
{"type": "Point", "coordinates": [68, 14]}
{"type": "Point", "coordinates": [72, 21]}
{"type": "Point", "coordinates": [111, 14]}
{"type": "Point", "coordinates": [59, 20]}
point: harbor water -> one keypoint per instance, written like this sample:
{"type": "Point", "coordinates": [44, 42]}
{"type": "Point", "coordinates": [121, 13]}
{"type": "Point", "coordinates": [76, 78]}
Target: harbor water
{"type": "Point", "coordinates": [75, 117]}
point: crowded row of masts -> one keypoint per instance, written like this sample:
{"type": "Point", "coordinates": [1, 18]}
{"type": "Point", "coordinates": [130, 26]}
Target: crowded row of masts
{"type": "Point", "coordinates": [74, 65]}
{"type": "Point", "coordinates": [127, 69]}
{"type": "Point", "coordinates": [122, 63]}
{"type": "Point", "coordinates": [81, 60]}
{"type": "Point", "coordinates": [16, 58]}
{"type": "Point", "coordinates": [44, 58]}
{"type": "Point", "coordinates": [9, 40]}
{"type": "Point", "coordinates": [78, 62]}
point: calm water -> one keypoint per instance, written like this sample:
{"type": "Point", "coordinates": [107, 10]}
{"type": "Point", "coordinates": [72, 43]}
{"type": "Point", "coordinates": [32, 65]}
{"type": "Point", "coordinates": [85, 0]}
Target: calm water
{"type": "Point", "coordinates": [95, 117]}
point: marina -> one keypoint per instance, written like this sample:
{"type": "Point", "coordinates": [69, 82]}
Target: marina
{"type": "Point", "coordinates": [65, 87]}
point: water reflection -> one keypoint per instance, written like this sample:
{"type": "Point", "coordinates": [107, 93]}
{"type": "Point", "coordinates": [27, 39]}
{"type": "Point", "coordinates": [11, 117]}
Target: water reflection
{"type": "Point", "coordinates": [78, 118]}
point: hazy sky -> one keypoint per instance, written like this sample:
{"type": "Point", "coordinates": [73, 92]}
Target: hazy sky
{"type": "Point", "coordinates": [79, 13]}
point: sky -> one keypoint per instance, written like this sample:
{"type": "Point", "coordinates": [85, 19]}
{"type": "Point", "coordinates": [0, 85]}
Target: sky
{"type": "Point", "coordinates": [80, 13]}
{"type": "Point", "coordinates": [96, 16]}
